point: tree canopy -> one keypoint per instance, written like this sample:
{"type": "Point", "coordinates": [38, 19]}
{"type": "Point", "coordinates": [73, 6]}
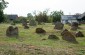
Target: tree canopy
{"type": "Point", "coordinates": [3, 5]}
{"type": "Point", "coordinates": [41, 17]}
{"type": "Point", "coordinates": [29, 16]}
{"type": "Point", "coordinates": [56, 15]}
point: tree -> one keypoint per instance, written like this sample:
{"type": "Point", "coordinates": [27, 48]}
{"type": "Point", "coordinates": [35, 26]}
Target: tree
{"type": "Point", "coordinates": [1, 16]}
{"type": "Point", "coordinates": [3, 5]}
{"type": "Point", "coordinates": [41, 17]}
{"type": "Point", "coordinates": [29, 16]}
{"type": "Point", "coordinates": [56, 15]}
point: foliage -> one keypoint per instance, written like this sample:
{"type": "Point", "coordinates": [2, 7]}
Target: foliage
{"type": "Point", "coordinates": [3, 5]}
{"type": "Point", "coordinates": [30, 43]}
{"type": "Point", "coordinates": [29, 16]}
{"type": "Point", "coordinates": [19, 20]}
{"type": "Point", "coordinates": [1, 16]}
{"type": "Point", "coordinates": [6, 19]}
{"type": "Point", "coordinates": [56, 15]}
{"type": "Point", "coordinates": [41, 17]}
{"type": "Point", "coordinates": [50, 19]}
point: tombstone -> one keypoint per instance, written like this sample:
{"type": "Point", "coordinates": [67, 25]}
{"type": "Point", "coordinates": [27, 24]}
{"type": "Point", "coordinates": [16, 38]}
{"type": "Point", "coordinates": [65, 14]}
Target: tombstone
{"type": "Point", "coordinates": [59, 26]}
{"type": "Point", "coordinates": [24, 23]}
{"type": "Point", "coordinates": [15, 31]}
{"type": "Point", "coordinates": [12, 31]}
{"type": "Point", "coordinates": [32, 22]}
{"type": "Point", "coordinates": [26, 27]}
{"type": "Point", "coordinates": [68, 36]}
{"type": "Point", "coordinates": [54, 37]}
{"type": "Point", "coordinates": [9, 31]}
{"type": "Point", "coordinates": [74, 26]}
{"type": "Point", "coordinates": [79, 34]}
{"type": "Point", "coordinates": [43, 39]}
{"type": "Point", "coordinates": [40, 31]}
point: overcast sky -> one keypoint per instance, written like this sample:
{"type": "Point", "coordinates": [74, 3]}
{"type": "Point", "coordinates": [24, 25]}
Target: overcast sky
{"type": "Point", "coordinates": [22, 7]}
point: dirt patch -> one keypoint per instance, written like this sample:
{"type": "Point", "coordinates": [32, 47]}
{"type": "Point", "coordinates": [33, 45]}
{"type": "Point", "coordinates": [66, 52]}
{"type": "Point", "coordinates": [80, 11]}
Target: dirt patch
{"type": "Point", "coordinates": [23, 49]}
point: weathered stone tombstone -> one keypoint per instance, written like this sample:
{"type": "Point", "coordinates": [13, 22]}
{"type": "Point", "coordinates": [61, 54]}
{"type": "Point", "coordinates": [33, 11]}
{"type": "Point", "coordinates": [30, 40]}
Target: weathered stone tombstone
{"type": "Point", "coordinates": [74, 26]}
{"type": "Point", "coordinates": [53, 37]}
{"type": "Point", "coordinates": [12, 31]}
{"type": "Point", "coordinates": [16, 31]}
{"type": "Point", "coordinates": [40, 31]}
{"type": "Point", "coordinates": [32, 22]}
{"type": "Point", "coordinates": [43, 39]}
{"type": "Point", "coordinates": [26, 27]}
{"type": "Point", "coordinates": [79, 34]}
{"type": "Point", "coordinates": [59, 26]}
{"type": "Point", "coordinates": [68, 36]}
{"type": "Point", "coordinates": [24, 23]}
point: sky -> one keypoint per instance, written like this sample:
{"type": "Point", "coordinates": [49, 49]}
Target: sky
{"type": "Point", "coordinates": [23, 7]}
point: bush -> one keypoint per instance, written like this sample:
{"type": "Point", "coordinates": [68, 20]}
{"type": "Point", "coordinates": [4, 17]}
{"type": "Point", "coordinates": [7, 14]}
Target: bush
{"type": "Point", "coordinates": [41, 17]}
{"type": "Point", "coordinates": [1, 16]}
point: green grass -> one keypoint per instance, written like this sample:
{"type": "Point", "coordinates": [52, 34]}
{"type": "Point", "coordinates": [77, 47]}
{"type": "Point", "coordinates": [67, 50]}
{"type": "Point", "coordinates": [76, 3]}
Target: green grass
{"type": "Point", "coordinates": [29, 37]}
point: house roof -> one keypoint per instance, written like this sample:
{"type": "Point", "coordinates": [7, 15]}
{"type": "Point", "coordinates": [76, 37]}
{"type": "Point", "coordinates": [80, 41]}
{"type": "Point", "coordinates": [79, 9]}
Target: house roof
{"type": "Point", "coordinates": [82, 15]}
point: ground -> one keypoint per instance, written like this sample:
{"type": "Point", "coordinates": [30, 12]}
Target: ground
{"type": "Point", "coordinates": [30, 43]}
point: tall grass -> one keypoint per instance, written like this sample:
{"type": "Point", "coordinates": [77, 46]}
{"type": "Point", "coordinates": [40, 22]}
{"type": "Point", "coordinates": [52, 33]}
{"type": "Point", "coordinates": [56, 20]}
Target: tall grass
{"type": "Point", "coordinates": [28, 37]}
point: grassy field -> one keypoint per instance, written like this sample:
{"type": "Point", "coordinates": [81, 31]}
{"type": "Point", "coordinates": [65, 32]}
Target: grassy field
{"type": "Point", "coordinates": [30, 43]}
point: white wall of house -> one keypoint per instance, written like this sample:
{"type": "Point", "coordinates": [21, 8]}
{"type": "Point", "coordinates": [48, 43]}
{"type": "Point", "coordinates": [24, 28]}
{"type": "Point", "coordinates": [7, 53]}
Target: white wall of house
{"type": "Point", "coordinates": [68, 18]}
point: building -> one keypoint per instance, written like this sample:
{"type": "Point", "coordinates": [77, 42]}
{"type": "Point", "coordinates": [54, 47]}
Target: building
{"type": "Point", "coordinates": [72, 18]}
{"type": "Point", "coordinates": [81, 18]}
{"type": "Point", "coordinates": [12, 17]}
{"type": "Point", "coordinates": [69, 18]}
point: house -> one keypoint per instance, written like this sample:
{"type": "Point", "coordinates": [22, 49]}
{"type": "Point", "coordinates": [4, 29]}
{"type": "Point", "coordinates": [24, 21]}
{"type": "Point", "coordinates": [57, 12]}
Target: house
{"type": "Point", "coordinates": [12, 17]}
{"type": "Point", "coordinates": [72, 18]}
{"type": "Point", "coordinates": [69, 18]}
{"type": "Point", "coordinates": [81, 18]}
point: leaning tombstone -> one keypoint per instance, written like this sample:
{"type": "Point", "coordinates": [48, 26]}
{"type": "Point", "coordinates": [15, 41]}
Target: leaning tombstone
{"type": "Point", "coordinates": [9, 31]}
{"type": "Point", "coordinates": [40, 31]}
{"type": "Point", "coordinates": [79, 34]}
{"type": "Point", "coordinates": [16, 31]}
{"type": "Point", "coordinates": [12, 31]}
{"type": "Point", "coordinates": [68, 36]}
{"type": "Point", "coordinates": [59, 26]}
{"type": "Point", "coordinates": [24, 23]}
{"type": "Point", "coordinates": [53, 37]}
{"type": "Point", "coordinates": [74, 26]}
{"type": "Point", "coordinates": [32, 22]}
{"type": "Point", "coordinates": [26, 27]}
